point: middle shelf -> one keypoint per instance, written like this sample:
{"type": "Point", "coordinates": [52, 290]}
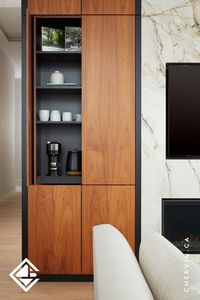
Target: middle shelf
{"type": "Point", "coordinates": [59, 89]}
{"type": "Point", "coordinates": [58, 123]}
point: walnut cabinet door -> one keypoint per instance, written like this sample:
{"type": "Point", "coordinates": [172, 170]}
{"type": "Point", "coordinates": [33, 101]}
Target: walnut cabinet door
{"type": "Point", "coordinates": [108, 100]}
{"type": "Point", "coordinates": [54, 7]}
{"type": "Point", "coordinates": [104, 7]}
{"type": "Point", "coordinates": [113, 205]}
{"type": "Point", "coordinates": [54, 228]}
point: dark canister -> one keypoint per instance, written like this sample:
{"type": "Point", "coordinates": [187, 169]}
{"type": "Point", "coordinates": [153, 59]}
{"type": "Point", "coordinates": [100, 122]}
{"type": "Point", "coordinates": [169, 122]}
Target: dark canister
{"type": "Point", "coordinates": [73, 164]}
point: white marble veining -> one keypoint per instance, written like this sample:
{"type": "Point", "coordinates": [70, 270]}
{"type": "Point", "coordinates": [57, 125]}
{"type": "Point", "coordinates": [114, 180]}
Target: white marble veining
{"type": "Point", "coordinates": [170, 33]}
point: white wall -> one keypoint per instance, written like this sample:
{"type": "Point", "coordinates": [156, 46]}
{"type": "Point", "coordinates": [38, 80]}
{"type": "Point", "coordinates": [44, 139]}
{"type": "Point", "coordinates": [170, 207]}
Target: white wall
{"type": "Point", "coordinates": [18, 173]}
{"type": "Point", "coordinates": [170, 33]}
{"type": "Point", "coordinates": [10, 87]}
{"type": "Point", "coordinates": [7, 124]}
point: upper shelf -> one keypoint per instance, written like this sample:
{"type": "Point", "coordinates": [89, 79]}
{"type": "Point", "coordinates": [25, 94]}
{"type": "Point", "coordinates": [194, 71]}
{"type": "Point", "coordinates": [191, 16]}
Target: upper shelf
{"type": "Point", "coordinates": [58, 52]}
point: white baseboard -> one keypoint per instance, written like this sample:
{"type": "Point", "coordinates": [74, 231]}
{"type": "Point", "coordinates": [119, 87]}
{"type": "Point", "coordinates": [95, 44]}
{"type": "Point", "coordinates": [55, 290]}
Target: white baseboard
{"type": "Point", "coordinates": [18, 188]}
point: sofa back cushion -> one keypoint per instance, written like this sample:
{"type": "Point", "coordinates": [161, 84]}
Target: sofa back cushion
{"type": "Point", "coordinates": [170, 274]}
{"type": "Point", "coordinates": [117, 274]}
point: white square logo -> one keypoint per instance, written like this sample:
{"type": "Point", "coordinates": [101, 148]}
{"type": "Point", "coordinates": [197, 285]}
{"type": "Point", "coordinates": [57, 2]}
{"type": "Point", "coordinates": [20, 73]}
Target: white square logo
{"type": "Point", "coordinates": [25, 275]}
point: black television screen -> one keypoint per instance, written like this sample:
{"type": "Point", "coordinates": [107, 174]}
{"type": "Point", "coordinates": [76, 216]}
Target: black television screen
{"type": "Point", "coordinates": [183, 110]}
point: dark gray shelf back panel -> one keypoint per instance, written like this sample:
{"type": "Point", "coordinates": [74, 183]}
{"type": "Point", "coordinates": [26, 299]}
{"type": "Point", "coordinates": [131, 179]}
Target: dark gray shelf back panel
{"type": "Point", "coordinates": [70, 138]}
{"type": "Point", "coordinates": [62, 102]}
{"type": "Point", "coordinates": [69, 65]}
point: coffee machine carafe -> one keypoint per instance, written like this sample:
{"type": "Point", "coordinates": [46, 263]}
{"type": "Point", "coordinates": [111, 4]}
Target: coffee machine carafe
{"type": "Point", "coordinates": [54, 152]}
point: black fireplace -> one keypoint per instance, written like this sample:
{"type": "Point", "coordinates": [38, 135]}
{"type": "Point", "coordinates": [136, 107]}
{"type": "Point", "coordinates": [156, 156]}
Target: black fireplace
{"type": "Point", "coordinates": [181, 223]}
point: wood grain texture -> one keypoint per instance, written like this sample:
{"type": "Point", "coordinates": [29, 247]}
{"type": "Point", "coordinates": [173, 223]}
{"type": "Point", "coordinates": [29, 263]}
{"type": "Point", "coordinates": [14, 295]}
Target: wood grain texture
{"type": "Point", "coordinates": [108, 7]}
{"type": "Point", "coordinates": [106, 205]}
{"type": "Point", "coordinates": [108, 102]}
{"type": "Point", "coordinates": [54, 7]}
{"type": "Point", "coordinates": [29, 144]}
{"type": "Point", "coordinates": [54, 228]}
{"type": "Point", "coordinates": [10, 256]}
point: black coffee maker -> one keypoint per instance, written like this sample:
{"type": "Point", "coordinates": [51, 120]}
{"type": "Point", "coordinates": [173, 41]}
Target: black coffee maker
{"type": "Point", "coordinates": [54, 152]}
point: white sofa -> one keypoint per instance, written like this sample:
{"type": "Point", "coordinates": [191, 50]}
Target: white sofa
{"type": "Point", "coordinates": [160, 275]}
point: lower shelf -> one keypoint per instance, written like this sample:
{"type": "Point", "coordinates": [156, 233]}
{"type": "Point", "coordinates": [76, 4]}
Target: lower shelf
{"type": "Point", "coordinates": [64, 179]}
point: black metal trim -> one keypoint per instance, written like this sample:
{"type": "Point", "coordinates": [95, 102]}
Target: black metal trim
{"type": "Point", "coordinates": [24, 189]}
{"type": "Point", "coordinates": [138, 128]}
{"type": "Point", "coordinates": [23, 8]}
{"type": "Point", "coordinates": [138, 7]}
{"type": "Point", "coordinates": [64, 278]}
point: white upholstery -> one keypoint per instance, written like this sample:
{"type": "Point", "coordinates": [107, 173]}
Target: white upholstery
{"type": "Point", "coordinates": [117, 274]}
{"type": "Point", "coordinates": [163, 266]}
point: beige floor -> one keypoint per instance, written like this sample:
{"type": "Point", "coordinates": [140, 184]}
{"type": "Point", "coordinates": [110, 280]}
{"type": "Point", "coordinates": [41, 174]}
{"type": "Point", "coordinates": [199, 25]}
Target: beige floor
{"type": "Point", "coordinates": [10, 256]}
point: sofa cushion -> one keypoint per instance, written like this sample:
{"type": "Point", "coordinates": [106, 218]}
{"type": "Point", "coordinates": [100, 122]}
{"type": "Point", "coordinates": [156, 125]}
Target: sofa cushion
{"type": "Point", "coordinates": [164, 267]}
{"type": "Point", "coordinates": [117, 274]}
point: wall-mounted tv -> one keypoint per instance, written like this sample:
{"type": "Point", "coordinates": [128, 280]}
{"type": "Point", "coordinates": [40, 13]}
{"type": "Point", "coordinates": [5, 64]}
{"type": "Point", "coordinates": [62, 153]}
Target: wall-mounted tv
{"type": "Point", "coordinates": [183, 110]}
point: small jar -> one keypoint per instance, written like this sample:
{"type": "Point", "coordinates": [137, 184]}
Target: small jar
{"type": "Point", "coordinates": [57, 77]}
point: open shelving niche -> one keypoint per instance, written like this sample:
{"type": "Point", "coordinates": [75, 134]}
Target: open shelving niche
{"type": "Point", "coordinates": [62, 98]}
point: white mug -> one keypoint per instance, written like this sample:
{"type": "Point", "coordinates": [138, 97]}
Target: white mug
{"type": "Point", "coordinates": [55, 116]}
{"type": "Point", "coordinates": [57, 77]}
{"type": "Point", "coordinates": [67, 116]}
{"type": "Point", "coordinates": [44, 115]}
{"type": "Point", "coordinates": [78, 117]}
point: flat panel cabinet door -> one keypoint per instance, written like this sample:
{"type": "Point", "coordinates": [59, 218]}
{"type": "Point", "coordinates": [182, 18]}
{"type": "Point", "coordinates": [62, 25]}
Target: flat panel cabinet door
{"type": "Point", "coordinates": [108, 103]}
{"type": "Point", "coordinates": [54, 229]}
{"type": "Point", "coordinates": [106, 205]}
{"type": "Point", "coordinates": [54, 7]}
{"type": "Point", "coordinates": [108, 7]}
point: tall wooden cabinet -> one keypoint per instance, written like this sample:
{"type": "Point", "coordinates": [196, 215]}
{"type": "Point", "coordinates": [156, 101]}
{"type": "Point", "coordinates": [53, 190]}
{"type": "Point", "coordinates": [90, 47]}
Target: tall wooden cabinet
{"type": "Point", "coordinates": [59, 213]}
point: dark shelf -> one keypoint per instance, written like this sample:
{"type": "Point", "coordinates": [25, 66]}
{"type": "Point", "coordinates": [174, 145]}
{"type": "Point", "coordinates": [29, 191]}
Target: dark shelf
{"type": "Point", "coordinates": [58, 52]}
{"type": "Point", "coordinates": [64, 179]}
{"type": "Point", "coordinates": [58, 123]}
{"type": "Point", "coordinates": [60, 89]}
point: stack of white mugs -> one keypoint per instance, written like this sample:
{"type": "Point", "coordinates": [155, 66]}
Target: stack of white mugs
{"type": "Point", "coordinates": [55, 116]}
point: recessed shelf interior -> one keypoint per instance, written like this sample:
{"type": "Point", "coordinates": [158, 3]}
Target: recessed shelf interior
{"type": "Point", "coordinates": [68, 136]}
{"type": "Point", "coordinates": [69, 65]}
{"type": "Point", "coordinates": [62, 98]}
{"type": "Point", "coordinates": [62, 102]}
